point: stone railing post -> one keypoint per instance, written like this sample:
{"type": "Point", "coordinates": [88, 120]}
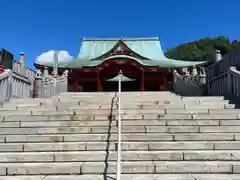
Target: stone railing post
{"type": "Point", "coordinates": [9, 85]}
{"type": "Point", "coordinates": [38, 83]}
{"type": "Point", "coordinates": [202, 79]}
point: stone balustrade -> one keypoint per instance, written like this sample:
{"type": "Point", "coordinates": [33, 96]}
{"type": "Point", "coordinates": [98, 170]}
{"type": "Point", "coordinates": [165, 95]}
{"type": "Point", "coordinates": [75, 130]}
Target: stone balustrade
{"type": "Point", "coordinates": [18, 82]}
{"type": "Point", "coordinates": [48, 85]}
{"type": "Point", "coordinates": [4, 85]}
{"type": "Point", "coordinates": [13, 85]}
{"type": "Point", "coordinates": [226, 84]}
{"type": "Point", "coordinates": [222, 64]}
{"type": "Point", "coordinates": [190, 84]}
{"type": "Point", "coordinates": [223, 79]}
{"type": "Point", "coordinates": [19, 69]}
{"type": "Point", "coordinates": [22, 82]}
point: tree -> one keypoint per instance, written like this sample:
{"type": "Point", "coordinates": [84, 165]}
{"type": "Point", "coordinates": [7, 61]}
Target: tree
{"type": "Point", "coordinates": [203, 49]}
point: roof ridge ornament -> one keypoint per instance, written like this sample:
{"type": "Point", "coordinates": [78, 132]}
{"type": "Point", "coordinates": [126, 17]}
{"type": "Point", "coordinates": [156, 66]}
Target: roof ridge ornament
{"type": "Point", "coordinates": [119, 49]}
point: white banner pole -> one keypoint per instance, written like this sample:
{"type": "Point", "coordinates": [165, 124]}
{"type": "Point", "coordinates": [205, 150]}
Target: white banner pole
{"type": "Point", "coordinates": [119, 128]}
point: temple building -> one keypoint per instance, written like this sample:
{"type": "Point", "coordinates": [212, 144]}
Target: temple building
{"type": "Point", "coordinates": [141, 60]}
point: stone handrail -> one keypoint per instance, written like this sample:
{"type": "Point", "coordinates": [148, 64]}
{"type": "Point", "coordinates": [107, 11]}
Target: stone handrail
{"type": "Point", "coordinates": [5, 78]}
{"type": "Point", "coordinates": [225, 84]}
{"type": "Point", "coordinates": [48, 85]}
{"type": "Point", "coordinates": [13, 85]}
{"type": "Point", "coordinates": [222, 64]}
{"type": "Point", "coordinates": [20, 70]}
{"type": "Point", "coordinates": [54, 87]}
{"type": "Point", "coordinates": [22, 82]}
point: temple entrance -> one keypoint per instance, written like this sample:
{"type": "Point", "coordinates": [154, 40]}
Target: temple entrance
{"type": "Point", "coordinates": [134, 77]}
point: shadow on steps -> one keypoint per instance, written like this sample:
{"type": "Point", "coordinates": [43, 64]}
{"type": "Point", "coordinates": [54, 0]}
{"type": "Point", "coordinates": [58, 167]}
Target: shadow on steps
{"type": "Point", "coordinates": [113, 102]}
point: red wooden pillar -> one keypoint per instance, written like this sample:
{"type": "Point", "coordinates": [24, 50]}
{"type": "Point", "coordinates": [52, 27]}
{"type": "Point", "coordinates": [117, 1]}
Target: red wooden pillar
{"type": "Point", "coordinates": [82, 86]}
{"type": "Point", "coordinates": [76, 85]}
{"type": "Point", "coordinates": [142, 82]}
{"type": "Point", "coordinates": [99, 85]}
{"type": "Point", "coordinates": [165, 83]}
{"type": "Point", "coordinates": [159, 83]}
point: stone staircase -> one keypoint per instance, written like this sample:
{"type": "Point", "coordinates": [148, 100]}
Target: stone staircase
{"type": "Point", "coordinates": [165, 137]}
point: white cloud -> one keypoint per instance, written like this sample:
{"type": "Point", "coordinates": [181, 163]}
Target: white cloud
{"type": "Point", "coordinates": [47, 58]}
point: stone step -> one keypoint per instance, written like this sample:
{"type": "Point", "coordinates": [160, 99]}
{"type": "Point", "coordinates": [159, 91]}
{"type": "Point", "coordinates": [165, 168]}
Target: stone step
{"type": "Point", "coordinates": [203, 98]}
{"type": "Point", "coordinates": [200, 111]}
{"type": "Point", "coordinates": [101, 156]}
{"type": "Point", "coordinates": [138, 98]}
{"type": "Point", "coordinates": [87, 102]}
{"type": "Point", "coordinates": [38, 112]}
{"type": "Point", "coordinates": [216, 116]}
{"type": "Point", "coordinates": [129, 177]}
{"type": "Point", "coordinates": [186, 119]}
{"type": "Point", "coordinates": [134, 100]}
{"type": "Point", "coordinates": [125, 137]}
{"type": "Point", "coordinates": [133, 146]}
{"type": "Point", "coordinates": [128, 95]}
{"type": "Point", "coordinates": [158, 167]}
{"type": "Point", "coordinates": [125, 129]}
{"type": "Point", "coordinates": [53, 117]}
{"type": "Point", "coordinates": [173, 109]}
{"type": "Point", "coordinates": [108, 105]}
{"type": "Point", "coordinates": [126, 115]}
{"type": "Point", "coordinates": [224, 111]}
{"type": "Point", "coordinates": [124, 111]}
{"type": "Point", "coordinates": [113, 93]}
{"type": "Point", "coordinates": [126, 146]}
{"type": "Point", "coordinates": [154, 106]}
{"type": "Point", "coordinates": [17, 100]}
{"type": "Point", "coordinates": [100, 123]}
{"type": "Point", "coordinates": [95, 99]}
{"type": "Point", "coordinates": [41, 128]}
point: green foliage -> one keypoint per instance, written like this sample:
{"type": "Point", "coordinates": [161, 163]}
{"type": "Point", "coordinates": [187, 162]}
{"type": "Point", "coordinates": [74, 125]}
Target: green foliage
{"type": "Point", "coordinates": [203, 49]}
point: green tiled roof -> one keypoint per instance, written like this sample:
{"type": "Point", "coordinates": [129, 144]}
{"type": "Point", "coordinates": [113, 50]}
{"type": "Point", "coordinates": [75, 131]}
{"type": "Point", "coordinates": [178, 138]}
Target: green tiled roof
{"type": "Point", "coordinates": [149, 51]}
{"type": "Point", "coordinates": [168, 63]}
{"type": "Point", "coordinates": [146, 47]}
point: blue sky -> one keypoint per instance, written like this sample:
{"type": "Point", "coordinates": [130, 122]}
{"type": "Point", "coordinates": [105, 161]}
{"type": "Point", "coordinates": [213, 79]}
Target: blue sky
{"type": "Point", "coordinates": [37, 26]}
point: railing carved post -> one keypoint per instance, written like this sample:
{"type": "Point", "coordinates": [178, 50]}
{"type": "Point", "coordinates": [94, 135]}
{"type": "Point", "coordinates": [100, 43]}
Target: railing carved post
{"type": "Point", "coordinates": [38, 83]}
{"type": "Point", "coordinates": [229, 82]}
{"type": "Point", "coordinates": [9, 85]}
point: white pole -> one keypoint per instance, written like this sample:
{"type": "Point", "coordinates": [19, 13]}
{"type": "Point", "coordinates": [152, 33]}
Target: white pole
{"type": "Point", "coordinates": [119, 128]}
{"type": "Point", "coordinates": [55, 66]}
{"type": "Point", "coordinates": [55, 71]}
